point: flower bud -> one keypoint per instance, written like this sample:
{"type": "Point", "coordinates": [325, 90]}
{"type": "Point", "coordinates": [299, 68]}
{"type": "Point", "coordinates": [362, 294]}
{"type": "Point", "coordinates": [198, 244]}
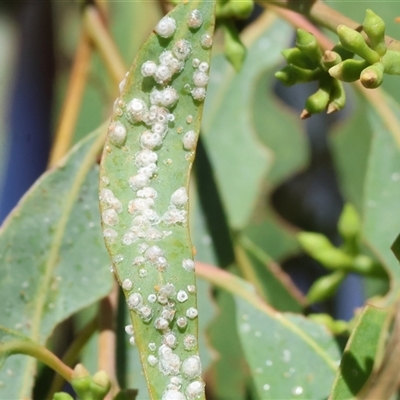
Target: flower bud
{"type": "Point", "coordinates": [307, 43]}
{"type": "Point", "coordinates": [290, 75]}
{"type": "Point", "coordinates": [366, 266]}
{"type": "Point", "coordinates": [295, 57]}
{"type": "Point", "coordinates": [374, 27]}
{"type": "Point", "coordinates": [391, 62]}
{"type": "Point", "coordinates": [349, 225]}
{"type": "Point", "coordinates": [348, 70]}
{"type": "Point", "coordinates": [318, 101]}
{"type": "Point", "coordinates": [81, 381]}
{"type": "Point", "coordinates": [353, 41]}
{"type": "Point", "coordinates": [372, 76]}
{"type": "Point", "coordinates": [62, 396]}
{"type": "Point", "coordinates": [329, 59]}
{"type": "Point", "coordinates": [325, 287]}
{"type": "Point", "coordinates": [242, 9]}
{"type": "Point", "coordinates": [100, 385]}
{"type": "Point", "coordinates": [337, 327]}
{"type": "Point", "coordinates": [337, 99]}
{"type": "Point", "coordinates": [237, 9]}
{"type": "Point", "coordinates": [321, 249]}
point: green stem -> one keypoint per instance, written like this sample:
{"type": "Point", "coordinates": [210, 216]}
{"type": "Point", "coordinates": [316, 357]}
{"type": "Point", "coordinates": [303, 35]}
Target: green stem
{"type": "Point", "coordinates": [40, 353]}
{"type": "Point", "coordinates": [107, 343]}
{"type": "Point", "coordinates": [232, 284]}
{"type": "Point", "coordinates": [323, 15]}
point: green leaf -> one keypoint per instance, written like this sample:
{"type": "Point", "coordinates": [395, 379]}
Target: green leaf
{"type": "Point", "coordinates": [277, 126]}
{"type": "Point", "coordinates": [360, 352]}
{"type": "Point", "coordinates": [229, 373]}
{"type": "Point", "coordinates": [146, 230]}
{"type": "Point", "coordinates": [281, 243]}
{"type": "Point", "coordinates": [382, 193]}
{"type": "Point", "coordinates": [52, 256]}
{"type": "Point", "coordinates": [289, 356]}
{"type": "Point", "coordinates": [129, 365]}
{"type": "Point", "coordinates": [233, 131]}
{"type": "Point", "coordinates": [354, 133]}
{"type": "Point", "coordinates": [274, 285]}
{"type": "Point", "coordinates": [370, 178]}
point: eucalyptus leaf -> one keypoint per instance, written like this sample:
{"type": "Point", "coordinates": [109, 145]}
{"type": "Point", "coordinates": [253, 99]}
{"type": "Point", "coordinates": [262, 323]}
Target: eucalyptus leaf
{"type": "Point", "coordinates": [288, 355]}
{"type": "Point", "coordinates": [144, 195]}
{"type": "Point", "coordinates": [382, 193]}
{"type": "Point", "coordinates": [276, 287]}
{"type": "Point", "coordinates": [360, 352]}
{"type": "Point", "coordinates": [226, 381]}
{"type": "Point", "coordinates": [231, 130]}
{"type": "Point", "coordinates": [353, 133]}
{"type": "Point", "coordinates": [370, 179]}
{"type": "Point", "coordinates": [53, 260]}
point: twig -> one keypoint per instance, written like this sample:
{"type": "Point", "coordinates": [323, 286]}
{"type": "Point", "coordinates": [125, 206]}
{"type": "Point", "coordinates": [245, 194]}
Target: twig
{"type": "Point", "coordinates": [73, 100]}
{"type": "Point", "coordinates": [300, 21]}
{"type": "Point", "coordinates": [40, 353]}
{"type": "Point", "coordinates": [107, 338]}
{"type": "Point", "coordinates": [104, 43]}
{"type": "Point", "coordinates": [321, 14]}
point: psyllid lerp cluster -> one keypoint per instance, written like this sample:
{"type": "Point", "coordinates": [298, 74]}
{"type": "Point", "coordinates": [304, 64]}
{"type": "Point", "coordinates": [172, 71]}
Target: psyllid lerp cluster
{"type": "Point", "coordinates": [144, 197]}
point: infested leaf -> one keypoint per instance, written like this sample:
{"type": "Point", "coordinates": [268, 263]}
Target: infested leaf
{"type": "Point", "coordinates": [144, 195]}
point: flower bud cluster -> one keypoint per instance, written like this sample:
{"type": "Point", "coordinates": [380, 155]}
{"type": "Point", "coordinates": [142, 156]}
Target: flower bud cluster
{"type": "Point", "coordinates": [306, 63]}
{"type": "Point", "coordinates": [87, 386]}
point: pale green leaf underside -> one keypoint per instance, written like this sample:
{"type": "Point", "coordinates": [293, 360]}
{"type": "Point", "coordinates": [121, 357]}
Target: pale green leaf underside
{"type": "Point", "coordinates": [368, 161]}
{"type": "Point", "coordinates": [53, 262]}
{"type": "Point", "coordinates": [288, 355]}
{"type": "Point", "coordinates": [243, 129]}
{"type": "Point", "coordinates": [351, 165]}
{"type": "Point", "coordinates": [150, 245]}
{"type": "Point", "coordinates": [382, 194]}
